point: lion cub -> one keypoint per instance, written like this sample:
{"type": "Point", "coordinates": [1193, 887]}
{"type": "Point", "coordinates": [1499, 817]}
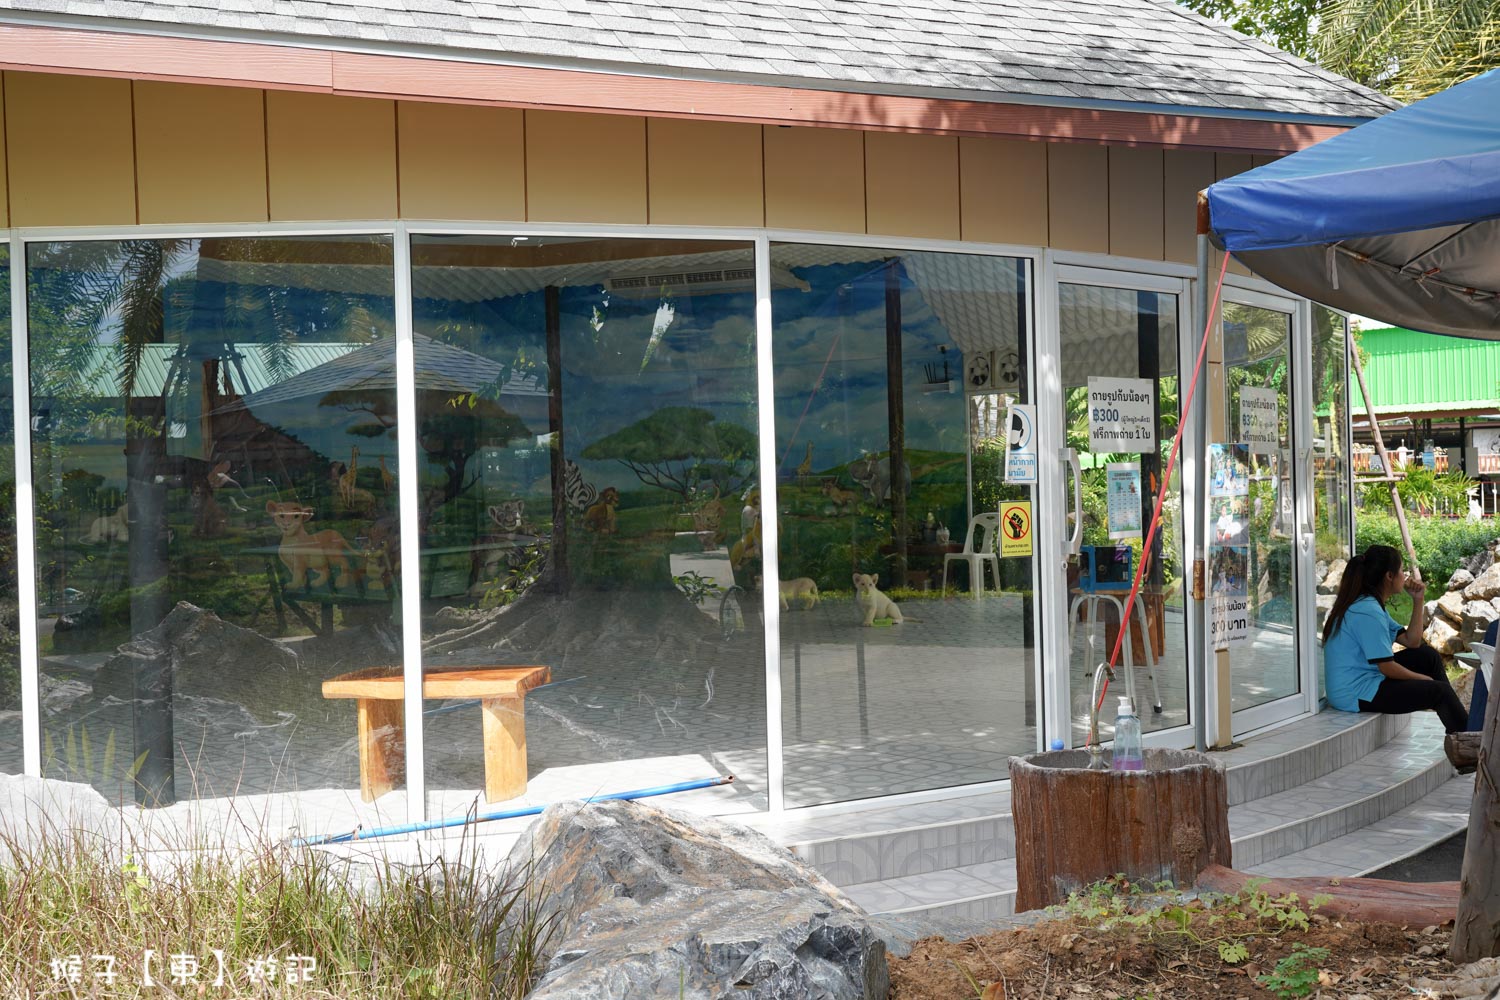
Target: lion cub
{"type": "Point", "coordinates": [872, 603]}
{"type": "Point", "coordinates": [802, 591]}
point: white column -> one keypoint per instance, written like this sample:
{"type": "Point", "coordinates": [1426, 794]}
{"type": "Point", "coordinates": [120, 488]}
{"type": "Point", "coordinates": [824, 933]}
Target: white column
{"type": "Point", "coordinates": [770, 590]}
{"type": "Point", "coordinates": [1052, 499]}
{"type": "Point", "coordinates": [411, 555]}
{"type": "Point", "coordinates": [31, 702]}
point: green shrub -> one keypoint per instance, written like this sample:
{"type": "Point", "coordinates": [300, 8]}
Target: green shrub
{"type": "Point", "coordinates": [1442, 544]}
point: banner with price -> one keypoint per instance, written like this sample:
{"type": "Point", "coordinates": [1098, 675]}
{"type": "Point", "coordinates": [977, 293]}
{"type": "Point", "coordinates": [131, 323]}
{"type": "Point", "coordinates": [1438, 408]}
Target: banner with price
{"type": "Point", "coordinates": [1122, 414]}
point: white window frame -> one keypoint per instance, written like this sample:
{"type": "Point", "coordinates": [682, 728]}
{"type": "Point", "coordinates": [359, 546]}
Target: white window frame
{"type": "Point", "coordinates": [1043, 266]}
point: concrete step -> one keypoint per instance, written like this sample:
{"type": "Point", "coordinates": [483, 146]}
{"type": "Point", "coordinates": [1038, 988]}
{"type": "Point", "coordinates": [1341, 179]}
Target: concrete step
{"type": "Point", "coordinates": [1382, 790]}
{"type": "Point", "coordinates": [897, 842]}
{"type": "Point", "coordinates": [1430, 820]}
{"type": "Point", "coordinates": [1380, 784]}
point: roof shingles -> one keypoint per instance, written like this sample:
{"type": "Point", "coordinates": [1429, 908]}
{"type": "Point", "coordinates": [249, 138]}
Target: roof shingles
{"type": "Point", "coordinates": [1150, 52]}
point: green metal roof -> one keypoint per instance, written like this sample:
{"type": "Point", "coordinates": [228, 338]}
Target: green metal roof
{"type": "Point", "coordinates": [1411, 373]}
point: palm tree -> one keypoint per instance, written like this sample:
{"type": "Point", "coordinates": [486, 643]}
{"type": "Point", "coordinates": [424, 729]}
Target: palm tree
{"type": "Point", "coordinates": [1409, 49]}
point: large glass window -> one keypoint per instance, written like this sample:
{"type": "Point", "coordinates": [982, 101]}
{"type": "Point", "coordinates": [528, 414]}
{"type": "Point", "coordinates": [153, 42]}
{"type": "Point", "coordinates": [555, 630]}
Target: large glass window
{"type": "Point", "coordinates": [589, 469]}
{"type": "Point", "coordinates": [11, 756]}
{"type": "Point", "coordinates": [214, 452]}
{"type": "Point", "coordinates": [1254, 562]}
{"type": "Point", "coordinates": [1123, 333]}
{"type": "Point", "coordinates": [892, 370]}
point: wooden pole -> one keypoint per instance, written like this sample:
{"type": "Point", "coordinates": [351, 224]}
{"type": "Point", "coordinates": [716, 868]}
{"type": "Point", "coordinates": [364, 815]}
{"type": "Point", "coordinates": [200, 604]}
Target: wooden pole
{"type": "Point", "coordinates": [1385, 461]}
{"type": "Point", "coordinates": [1476, 931]}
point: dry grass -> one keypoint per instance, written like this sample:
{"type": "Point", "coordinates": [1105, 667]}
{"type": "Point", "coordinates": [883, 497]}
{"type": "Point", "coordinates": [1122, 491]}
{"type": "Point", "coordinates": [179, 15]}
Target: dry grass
{"type": "Point", "coordinates": [430, 930]}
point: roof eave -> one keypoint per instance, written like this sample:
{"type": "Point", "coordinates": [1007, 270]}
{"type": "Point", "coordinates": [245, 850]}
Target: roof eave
{"type": "Point", "coordinates": [140, 50]}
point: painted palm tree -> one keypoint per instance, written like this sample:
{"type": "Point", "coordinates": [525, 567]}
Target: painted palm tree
{"type": "Point", "coordinates": [1409, 49]}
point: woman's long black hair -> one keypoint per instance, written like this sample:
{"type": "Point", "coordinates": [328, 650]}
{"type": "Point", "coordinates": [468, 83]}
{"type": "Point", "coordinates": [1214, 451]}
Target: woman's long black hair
{"type": "Point", "coordinates": [1363, 575]}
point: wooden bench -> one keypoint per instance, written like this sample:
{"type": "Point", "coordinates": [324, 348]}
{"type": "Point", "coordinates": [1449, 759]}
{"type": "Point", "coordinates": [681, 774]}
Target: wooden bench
{"type": "Point", "coordinates": [382, 729]}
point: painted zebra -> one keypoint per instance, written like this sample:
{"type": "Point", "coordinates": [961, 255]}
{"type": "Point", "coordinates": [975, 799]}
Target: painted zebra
{"type": "Point", "coordinates": [579, 494]}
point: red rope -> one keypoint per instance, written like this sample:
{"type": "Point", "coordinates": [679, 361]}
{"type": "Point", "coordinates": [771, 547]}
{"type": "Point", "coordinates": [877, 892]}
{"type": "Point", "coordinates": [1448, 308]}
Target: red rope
{"type": "Point", "coordinates": [1161, 494]}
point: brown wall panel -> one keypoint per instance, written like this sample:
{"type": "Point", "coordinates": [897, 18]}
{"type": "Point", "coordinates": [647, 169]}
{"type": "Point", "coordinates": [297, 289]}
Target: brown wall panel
{"type": "Point", "coordinates": [704, 173]}
{"type": "Point", "coordinates": [1078, 197]}
{"type": "Point", "coordinates": [585, 168]}
{"type": "Point", "coordinates": [330, 157]}
{"type": "Point", "coordinates": [71, 160]}
{"type": "Point", "coordinates": [200, 153]}
{"type": "Point", "coordinates": [458, 161]}
{"type": "Point", "coordinates": [815, 179]}
{"type": "Point", "coordinates": [1185, 174]}
{"type": "Point", "coordinates": [911, 185]}
{"type": "Point", "coordinates": [1003, 185]}
{"type": "Point", "coordinates": [4, 188]}
{"type": "Point", "coordinates": [1135, 202]}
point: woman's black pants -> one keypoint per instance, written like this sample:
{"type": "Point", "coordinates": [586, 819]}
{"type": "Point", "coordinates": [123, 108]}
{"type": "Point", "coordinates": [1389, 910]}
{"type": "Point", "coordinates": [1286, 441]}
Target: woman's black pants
{"type": "Point", "coordinates": [1400, 697]}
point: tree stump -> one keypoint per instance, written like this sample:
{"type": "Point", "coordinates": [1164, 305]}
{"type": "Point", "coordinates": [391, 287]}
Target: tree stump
{"type": "Point", "coordinates": [1075, 827]}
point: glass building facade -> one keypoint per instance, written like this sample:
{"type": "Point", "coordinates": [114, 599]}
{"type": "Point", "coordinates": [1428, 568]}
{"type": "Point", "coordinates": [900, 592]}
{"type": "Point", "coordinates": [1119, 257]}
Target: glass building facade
{"type": "Point", "coordinates": [734, 500]}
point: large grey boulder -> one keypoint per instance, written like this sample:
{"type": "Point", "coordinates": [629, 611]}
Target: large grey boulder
{"type": "Point", "coordinates": [208, 657]}
{"type": "Point", "coordinates": [1477, 618]}
{"type": "Point", "coordinates": [1443, 637]}
{"type": "Point", "coordinates": [1451, 607]}
{"type": "Point", "coordinates": [659, 903]}
{"type": "Point", "coordinates": [1486, 585]}
{"type": "Point", "coordinates": [1460, 579]}
{"type": "Point", "coordinates": [1330, 584]}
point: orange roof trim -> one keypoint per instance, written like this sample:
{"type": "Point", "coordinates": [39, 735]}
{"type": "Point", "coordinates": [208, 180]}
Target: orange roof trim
{"type": "Point", "coordinates": [35, 48]}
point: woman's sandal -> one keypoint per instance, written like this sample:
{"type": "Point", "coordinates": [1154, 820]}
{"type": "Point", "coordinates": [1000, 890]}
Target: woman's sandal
{"type": "Point", "coordinates": [1463, 751]}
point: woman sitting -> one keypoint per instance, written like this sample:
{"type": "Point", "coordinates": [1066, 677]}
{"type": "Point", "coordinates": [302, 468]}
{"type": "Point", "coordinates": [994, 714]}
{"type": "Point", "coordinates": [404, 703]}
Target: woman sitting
{"type": "Point", "coordinates": [1363, 674]}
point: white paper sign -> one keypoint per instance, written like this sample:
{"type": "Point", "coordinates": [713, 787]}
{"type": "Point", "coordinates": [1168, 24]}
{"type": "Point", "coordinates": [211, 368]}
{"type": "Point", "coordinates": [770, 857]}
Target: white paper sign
{"type": "Point", "coordinates": [1260, 419]}
{"type": "Point", "coordinates": [1229, 624]}
{"type": "Point", "coordinates": [1020, 443]}
{"type": "Point", "coordinates": [1121, 416]}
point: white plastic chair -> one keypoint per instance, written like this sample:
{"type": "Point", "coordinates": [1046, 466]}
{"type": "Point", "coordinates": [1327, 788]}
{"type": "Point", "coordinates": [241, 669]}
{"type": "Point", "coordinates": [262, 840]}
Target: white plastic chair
{"type": "Point", "coordinates": [979, 552]}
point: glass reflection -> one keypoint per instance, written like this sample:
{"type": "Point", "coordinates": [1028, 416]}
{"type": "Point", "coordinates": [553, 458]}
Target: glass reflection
{"type": "Point", "coordinates": [589, 505]}
{"type": "Point", "coordinates": [891, 369]}
{"type": "Point", "coordinates": [1124, 333]}
{"type": "Point", "coordinates": [213, 427]}
{"type": "Point", "coordinates": [1258, 567]}
{"type": "Point", "coordinates": [11, 755]}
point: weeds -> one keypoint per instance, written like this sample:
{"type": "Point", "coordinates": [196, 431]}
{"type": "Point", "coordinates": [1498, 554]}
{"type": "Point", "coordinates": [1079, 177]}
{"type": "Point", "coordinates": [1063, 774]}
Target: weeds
{"type": "Point", "coordinates": [80, 920]}
{"type": "Point", "coordinates": [1297, 974]}
{"type": "Point", "coordinates": [1231, 927]}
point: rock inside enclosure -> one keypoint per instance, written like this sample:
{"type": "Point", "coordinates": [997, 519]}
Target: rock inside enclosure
{"type": "Point", "coordinates": [651, 902]}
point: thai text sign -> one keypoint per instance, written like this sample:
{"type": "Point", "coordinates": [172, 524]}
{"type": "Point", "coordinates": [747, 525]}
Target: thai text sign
{"type": "Point", "coordinates": [1260, 419]}
{"type": "Point", "coordinates": [1121, 414]}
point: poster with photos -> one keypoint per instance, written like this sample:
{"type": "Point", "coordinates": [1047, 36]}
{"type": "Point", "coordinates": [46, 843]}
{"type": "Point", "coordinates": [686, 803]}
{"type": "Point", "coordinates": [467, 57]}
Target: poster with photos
{"type": "Point", "coordinates": [1228, 470]}
{"type": "Point", "coordinates": [1228, 521]}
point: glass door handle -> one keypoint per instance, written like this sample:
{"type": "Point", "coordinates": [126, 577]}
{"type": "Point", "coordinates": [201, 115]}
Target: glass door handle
{"type": "Point", "coordinates": [1075, 542]}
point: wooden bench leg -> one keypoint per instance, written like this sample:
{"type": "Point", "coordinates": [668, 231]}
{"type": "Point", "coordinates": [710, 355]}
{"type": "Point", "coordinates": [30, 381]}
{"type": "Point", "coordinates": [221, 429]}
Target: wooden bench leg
{"type": "Point", "coordinates": [382, 747]}
{"type": "Point", "coordinates": [504, 748]}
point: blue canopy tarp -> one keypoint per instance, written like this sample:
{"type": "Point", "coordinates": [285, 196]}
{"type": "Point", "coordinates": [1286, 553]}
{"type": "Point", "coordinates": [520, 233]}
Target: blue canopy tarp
{"type": "Point", "coordinates": [1398, 219]}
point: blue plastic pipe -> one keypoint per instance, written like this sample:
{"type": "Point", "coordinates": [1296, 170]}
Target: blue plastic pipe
{"type": "Point", "coordinates": [440, 824]}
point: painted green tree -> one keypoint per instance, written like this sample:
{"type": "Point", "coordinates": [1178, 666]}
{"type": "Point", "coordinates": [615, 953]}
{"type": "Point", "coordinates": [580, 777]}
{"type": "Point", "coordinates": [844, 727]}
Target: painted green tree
{"type": "Point", "coordinates": [678, 448]}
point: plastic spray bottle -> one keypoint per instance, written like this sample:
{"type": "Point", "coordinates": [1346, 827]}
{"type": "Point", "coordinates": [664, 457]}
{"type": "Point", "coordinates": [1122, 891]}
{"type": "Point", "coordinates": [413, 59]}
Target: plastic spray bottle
{"type": "Point", "coordinates": [1128, 755]}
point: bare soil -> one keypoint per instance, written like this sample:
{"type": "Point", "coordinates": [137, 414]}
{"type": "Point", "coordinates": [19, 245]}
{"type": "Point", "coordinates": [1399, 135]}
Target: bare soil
{"type": "Point", "coordinates": [1073, 958]}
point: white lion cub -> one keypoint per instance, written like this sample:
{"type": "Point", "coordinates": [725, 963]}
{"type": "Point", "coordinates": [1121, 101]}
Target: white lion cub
{"type": "Point", "coordinates": [802, 591]}
{"type": "Point", "coordinates": [872, 603]}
